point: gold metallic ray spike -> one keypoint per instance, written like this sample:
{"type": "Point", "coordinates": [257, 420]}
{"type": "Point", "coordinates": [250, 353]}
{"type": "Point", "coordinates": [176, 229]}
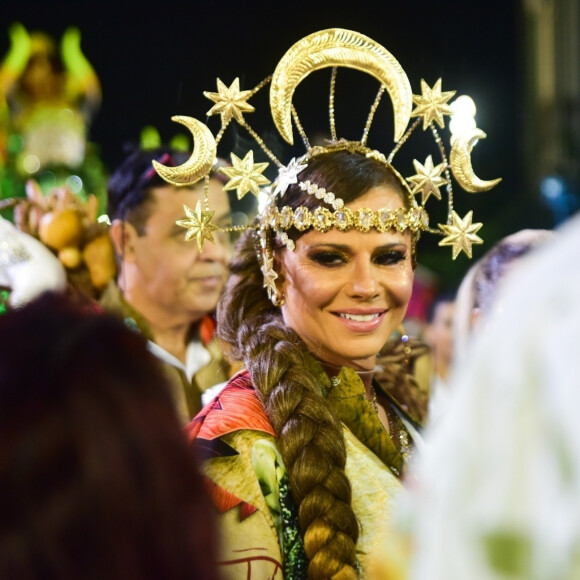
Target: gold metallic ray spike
{"type": "Point", "coordinates": [201, 160]}
{"type": "Point", "coordinates": [460, 161]}
{"type": "Point", "coordinates": [338, 47]}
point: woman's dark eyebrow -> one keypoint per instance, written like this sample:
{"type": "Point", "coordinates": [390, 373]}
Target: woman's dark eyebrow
{"type": "Point", "coordinates": [391, 246]}
{"type": "Point", "coordinates": [347, 248]}
{"type": "Point", "coordinates": [341, 247]}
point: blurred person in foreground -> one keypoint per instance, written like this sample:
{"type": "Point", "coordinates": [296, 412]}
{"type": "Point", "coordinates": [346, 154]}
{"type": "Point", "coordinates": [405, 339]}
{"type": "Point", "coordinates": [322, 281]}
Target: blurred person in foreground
{"type": "Point", "coordinates": [97, 479]}
{"type": "Point", "coordinates": [507, 504]}
{"type": "Point", "coordinates": [477, 292]}
{"type": "Point", "coordinates": [27, 268]}
{"type": "Point", "coordinates": [165, 288]}
{"type": "Point", "coordinates": [456, 317]}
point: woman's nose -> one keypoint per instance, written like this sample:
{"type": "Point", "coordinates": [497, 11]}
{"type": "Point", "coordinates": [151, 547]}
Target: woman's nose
{"type": "Point", "coordinates": [364, 283]}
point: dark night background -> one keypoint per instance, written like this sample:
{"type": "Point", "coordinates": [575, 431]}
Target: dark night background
{"type": "Point", "coordinates": [154, 61]}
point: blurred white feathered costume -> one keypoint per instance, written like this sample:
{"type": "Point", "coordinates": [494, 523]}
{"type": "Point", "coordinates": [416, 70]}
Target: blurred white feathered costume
{"type": "Point", "coordinates": [497, 493]}
{"type": "Point", "coordinates": [27, 267]}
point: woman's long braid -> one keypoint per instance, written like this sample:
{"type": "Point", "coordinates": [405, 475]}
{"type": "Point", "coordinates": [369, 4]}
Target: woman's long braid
{"type": "Point", "coordinates": [310, 437]}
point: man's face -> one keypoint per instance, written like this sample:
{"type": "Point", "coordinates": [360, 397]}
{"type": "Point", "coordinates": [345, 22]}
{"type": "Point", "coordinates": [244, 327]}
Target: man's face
{"type": "Point", "coordinates": [171, 277]}
{"type": "Point", "coordinates": [439, 333]}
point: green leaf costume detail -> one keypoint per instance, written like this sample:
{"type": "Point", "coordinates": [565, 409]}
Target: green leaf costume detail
{"type": "Point", "coordinates": [275, 486]}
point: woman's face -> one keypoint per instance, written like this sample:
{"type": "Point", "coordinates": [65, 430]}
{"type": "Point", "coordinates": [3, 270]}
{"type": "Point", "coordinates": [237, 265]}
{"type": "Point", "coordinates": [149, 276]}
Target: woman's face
{"type": "Point", "coordinates": [346, 292]}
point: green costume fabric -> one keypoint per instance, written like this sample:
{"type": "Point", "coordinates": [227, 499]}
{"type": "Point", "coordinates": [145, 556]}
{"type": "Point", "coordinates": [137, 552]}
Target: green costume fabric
{"type": "Point", "coordinates": [349, 399]}
{"type": "Point", "coordinates": [248, 480]}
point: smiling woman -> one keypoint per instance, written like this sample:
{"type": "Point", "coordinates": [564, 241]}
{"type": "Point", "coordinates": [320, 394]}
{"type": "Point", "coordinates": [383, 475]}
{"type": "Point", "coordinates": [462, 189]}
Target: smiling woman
{"type": "Point", "coordinates": [306, 449]}
{"type": "Point", "coordinates": [310, 353]}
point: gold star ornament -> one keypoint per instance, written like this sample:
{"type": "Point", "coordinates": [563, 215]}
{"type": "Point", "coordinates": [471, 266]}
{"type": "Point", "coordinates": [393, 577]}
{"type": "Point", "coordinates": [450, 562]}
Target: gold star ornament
{"type": "Point", "coordinates": [198, 224]}
{"type": "Point", "coordinates": [229, 102]}
{"type": "Point", "coordinates": [270, 275]}
{"type": "Point", "coordinates": [461, 234]}
{"type": "Point", "coordinates": [432, 104]}
{"type": "Point", "coordinates": [428, 179]}
{"type": "Point", "coordinates": [245, 175]}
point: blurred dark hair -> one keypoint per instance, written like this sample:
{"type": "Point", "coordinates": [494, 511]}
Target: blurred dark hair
{"type": "Point", "coordinates": [493, 266]}
{"type": "Point", "coordinates": [96, 477]}
{"type": "Point", "coordinates": [130, 184]}
{"type": "Point", "coordinates": [347, 175]}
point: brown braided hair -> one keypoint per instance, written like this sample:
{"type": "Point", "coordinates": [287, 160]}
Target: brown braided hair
{"type": "Point", "coordinates": [310, 436]}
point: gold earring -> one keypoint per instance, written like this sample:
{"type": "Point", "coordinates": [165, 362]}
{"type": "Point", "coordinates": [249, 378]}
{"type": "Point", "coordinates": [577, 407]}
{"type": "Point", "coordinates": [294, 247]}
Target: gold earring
{"type": "Point", "coordinates": [278, 299]}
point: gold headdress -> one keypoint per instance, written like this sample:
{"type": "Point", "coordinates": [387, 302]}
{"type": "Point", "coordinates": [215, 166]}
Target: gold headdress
{"type": "Point", "coordinates": [332, 48]}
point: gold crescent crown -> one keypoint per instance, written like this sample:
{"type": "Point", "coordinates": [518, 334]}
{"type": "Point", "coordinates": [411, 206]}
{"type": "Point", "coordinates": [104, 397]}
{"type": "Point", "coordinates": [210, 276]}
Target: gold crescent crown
{"type": "Point", "coordinates": [333, 48]}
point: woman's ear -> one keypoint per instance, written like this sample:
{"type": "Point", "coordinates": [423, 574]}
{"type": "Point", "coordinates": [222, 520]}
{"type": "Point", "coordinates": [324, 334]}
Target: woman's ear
{"type": "Point", "coordinates": [278, 265]}
{"type": "Point", "coordinates": [122, 235]}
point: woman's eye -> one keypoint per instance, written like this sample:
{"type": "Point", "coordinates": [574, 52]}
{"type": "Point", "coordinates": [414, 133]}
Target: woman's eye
{"type": "Point", "coordinates": [328, 258]}
{"type": "Point", "coordinates": [390, 257]}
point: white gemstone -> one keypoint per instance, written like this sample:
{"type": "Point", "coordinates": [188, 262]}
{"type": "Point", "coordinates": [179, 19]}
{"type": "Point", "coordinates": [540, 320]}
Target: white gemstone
{"type": "Point", "coordinates": [300, 218]}
{"type": "Point", "coordinates": [341, 220]}
{"type": "Point", "coordinates": [384, 217]}
{"type": "Point", "coordinates": [402, 220]}
{"type": "Point", "coordinates": [365, 219]}
{"type": "Point", "coordinates": [286, 216]}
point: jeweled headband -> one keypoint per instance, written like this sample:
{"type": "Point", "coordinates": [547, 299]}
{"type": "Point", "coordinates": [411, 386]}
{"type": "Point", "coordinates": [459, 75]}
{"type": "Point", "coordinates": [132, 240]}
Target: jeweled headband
{"type": "Point", "coordinates": [332, 48]}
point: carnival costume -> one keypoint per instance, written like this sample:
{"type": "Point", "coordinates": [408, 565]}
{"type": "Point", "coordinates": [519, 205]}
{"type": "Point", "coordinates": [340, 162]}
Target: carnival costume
{"type": "Point", "coordinates": [249, 484]}
{"type": "Point", "coordinates": [47, 116]}
{"type": "Point", "coordinates": [205, 365]}
{"type": "Point", "coordinates": [247, 476]}
{"type": "Point", "coordinates": [507, 504]}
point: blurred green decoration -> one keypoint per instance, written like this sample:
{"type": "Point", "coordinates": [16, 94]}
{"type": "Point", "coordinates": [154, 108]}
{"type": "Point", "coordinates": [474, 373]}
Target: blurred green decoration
{"type": "Point", "coordinates": [48, 97]}
{"type": "Point", "coordinates": [4, 296]}
{"type": "Point", "coordinates": [150, 138]}
{"type": "Point", "coordinates": [180, 142]}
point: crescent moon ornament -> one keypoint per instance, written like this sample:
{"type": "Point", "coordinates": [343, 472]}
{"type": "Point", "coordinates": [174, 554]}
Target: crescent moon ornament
{"type": "Point", "coordinates": [460, 161]}
{"type": "Point", "coordinates": [201, 160]}
{"type": "Point", "coordinates": [338, 47]}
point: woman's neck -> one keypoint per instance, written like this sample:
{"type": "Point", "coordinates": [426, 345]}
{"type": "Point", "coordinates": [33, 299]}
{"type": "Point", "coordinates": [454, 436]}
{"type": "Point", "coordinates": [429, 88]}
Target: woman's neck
{"type": "Point", "coordinates": [366, 376]}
